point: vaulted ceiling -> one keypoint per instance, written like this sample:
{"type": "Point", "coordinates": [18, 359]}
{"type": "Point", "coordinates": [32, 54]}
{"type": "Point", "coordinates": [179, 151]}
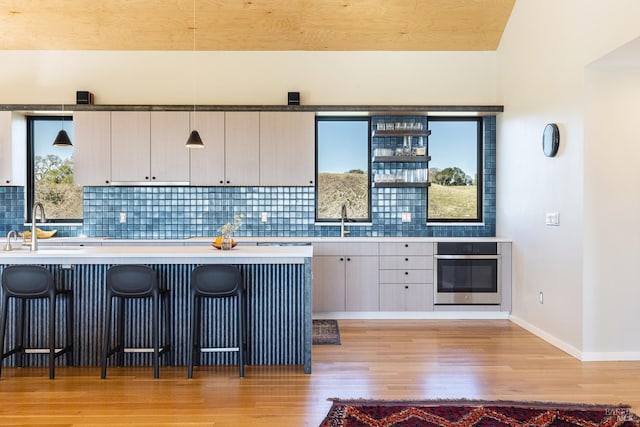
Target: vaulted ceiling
{"type": "Point", "coordinates": [253, 25]}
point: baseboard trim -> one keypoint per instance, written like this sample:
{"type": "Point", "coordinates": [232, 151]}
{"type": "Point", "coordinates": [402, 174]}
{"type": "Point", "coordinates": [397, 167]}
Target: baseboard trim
{"type": "Point", "coordinates": [551, 339]}
{"type": "Point", "coordinates": [414, 315]}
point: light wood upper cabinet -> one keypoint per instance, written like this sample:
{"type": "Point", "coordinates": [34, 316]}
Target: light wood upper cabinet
{"type": "Point", "coordinates": [169, 156]}
{"type": "Point", "coordinates": [207, 163]}
{"type": "Point", "coordinates": [6, 171]}
{"type": "Point", "coordinates": [242, 148]}
{"type": "Point", "coordinates": [149, 146]}
{"type": "Point", "coordinates": [287, 148]}
{"type": "Point", "coordinates": [92, 147]}
{"type": "Point", "coordinates": [130, 146]}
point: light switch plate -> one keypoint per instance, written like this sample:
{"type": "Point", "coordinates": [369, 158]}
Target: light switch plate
{"type": "Point", "coordinates": [406, 216]}
{"type": "Point", "coordinates": [552, 218]}
{"type": "Point", "coordinates": [263, 217]}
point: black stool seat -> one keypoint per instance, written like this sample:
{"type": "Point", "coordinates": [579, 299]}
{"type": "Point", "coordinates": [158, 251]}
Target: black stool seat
{"type": "Point", "coordinates": [30, 282]}
{"type": "Point", "coordinates": [127, 282]}
{"type": "Point", "coordinates": [216, 281]}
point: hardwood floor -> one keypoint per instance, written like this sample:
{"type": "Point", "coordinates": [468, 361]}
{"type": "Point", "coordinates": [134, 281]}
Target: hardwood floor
{"type": "Point", "coordinates": [408, 359]}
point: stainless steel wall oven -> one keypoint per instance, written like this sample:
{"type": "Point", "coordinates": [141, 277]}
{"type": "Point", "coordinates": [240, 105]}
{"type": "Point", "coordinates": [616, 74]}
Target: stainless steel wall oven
{"type": "Point", "coordinates": [467, 273]}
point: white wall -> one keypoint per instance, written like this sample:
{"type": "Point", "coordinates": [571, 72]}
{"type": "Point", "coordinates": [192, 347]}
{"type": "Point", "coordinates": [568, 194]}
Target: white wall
{"type": "Point", "coordinates": [542, 56]}
{"type": "Point", "coordinates": [612, 210]}
{"type": "Point", "coordinates": [251, 78]}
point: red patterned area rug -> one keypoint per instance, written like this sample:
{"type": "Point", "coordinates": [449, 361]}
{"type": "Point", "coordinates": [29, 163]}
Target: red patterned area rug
{"type": "Point", "coordinates": [465, 413]}
{"type": "Point", "coordinates": [325, 332]}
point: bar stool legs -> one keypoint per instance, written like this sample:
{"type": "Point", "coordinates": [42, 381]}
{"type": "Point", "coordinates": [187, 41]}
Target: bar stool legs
{"type": "Point", "coordinates": [216, 281]}
{"type": "Point", "coordinates": [126, 282]}
{"type": "Point", "coordinates": [25, 283]}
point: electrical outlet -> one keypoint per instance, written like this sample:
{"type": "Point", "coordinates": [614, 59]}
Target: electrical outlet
{"type": "Point", "coordinates": [123, 217]}
{"type": "Point", "coordinates": [541, 298]}
{"type": "Point", "coordinates": [552, 218]}
{"type": "Point", "coordinates": [263, 217]}
{"type": "Point", "coordinates": [406, 216]}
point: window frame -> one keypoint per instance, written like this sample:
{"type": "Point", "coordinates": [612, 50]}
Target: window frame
{"type": "Point", "coordinates": [30, 187]}
{"type": "Point", "coordinates": [345, 118]}
{"type": "Point", "coordinates": [480, 168]}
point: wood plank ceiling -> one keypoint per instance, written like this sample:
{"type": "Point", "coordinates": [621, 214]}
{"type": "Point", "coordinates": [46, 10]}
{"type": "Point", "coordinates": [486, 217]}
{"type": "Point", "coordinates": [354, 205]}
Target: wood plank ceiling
{"type": "Point", "coordinates": [253, 25]}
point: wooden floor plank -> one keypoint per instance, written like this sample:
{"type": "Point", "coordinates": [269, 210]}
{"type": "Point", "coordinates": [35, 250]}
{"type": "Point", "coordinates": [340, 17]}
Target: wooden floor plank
{"type": "Point", "coordinates": [390, 359]}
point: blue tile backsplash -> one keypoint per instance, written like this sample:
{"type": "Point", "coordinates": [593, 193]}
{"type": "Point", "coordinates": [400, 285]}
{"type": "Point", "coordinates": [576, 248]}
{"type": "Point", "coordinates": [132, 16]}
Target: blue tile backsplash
{"type": "Point", "coordinates": [182, 212]}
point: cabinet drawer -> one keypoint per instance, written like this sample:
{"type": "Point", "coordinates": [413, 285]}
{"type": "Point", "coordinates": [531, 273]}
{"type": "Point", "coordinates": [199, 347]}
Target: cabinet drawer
{"type": "Point", "coordinates": [406, 276]}
{"type": "Point", "coordinates": [406, 248]}
{"type": "Point", "coordinates": [412, 262]}
{"type": "Point", "coordinates": [345, 248]}
{"type": "Point", "coordinates": [403, 297]}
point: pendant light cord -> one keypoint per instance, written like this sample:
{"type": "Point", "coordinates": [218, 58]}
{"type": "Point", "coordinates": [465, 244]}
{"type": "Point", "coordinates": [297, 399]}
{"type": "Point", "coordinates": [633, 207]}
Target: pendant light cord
{"type": "Point", "coordinates": [194, 68]}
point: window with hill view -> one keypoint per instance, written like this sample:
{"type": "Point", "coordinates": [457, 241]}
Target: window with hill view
{"type": "Point", "coordinates": [51, 170]}
{"type": "Point", "coordinates": [343, 168]}
{"type": "Point", "coordinates": [455, 169]}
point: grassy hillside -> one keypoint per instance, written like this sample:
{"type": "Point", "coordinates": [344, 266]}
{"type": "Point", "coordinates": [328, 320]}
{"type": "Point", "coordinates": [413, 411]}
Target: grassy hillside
{"type": "Point", "coordinates": [336, 189]}
{"type": "Point", "coordinates": [452, 201]}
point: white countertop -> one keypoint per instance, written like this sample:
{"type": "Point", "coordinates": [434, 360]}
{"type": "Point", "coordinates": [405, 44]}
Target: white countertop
{"type": "Point", "coordinates": [155, 254]}
{"type": "Point", "coordinates": [248, 240]}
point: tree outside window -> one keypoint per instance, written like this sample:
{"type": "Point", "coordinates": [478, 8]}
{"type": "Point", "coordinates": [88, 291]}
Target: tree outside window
{"type": "Point", "coordinates": [51, 180]}
{"type": "Point", "coordinates": [455, 169]}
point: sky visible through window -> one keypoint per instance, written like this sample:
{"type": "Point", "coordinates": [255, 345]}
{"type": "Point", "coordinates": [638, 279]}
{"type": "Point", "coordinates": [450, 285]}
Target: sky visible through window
{"type": "Point", "coordinates": [453, 143]}
{"type": "Point", "coordinates": [45, 132]}
{"type": "Point", "coordinates": [342, 147]}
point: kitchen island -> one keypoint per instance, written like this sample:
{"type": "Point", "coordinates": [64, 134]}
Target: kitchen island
{"type": "Point", "coordinates": [277, 279]}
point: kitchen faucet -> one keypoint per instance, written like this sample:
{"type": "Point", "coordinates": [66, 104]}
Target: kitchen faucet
{"type": "Point", "coordinates": [43, 218]}
{"type": "Point", "coordinates": [13, 233]}
{"type": "Point", "coordinates": [343, 218]}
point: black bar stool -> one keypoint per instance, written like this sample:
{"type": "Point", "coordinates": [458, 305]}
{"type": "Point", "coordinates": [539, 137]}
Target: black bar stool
{"type": "Point", "coordinates": [31, 282]}
{"type": "Point", "coordinates": [216, 281]}
{"type": "Point", "coordinates": [129, 282]}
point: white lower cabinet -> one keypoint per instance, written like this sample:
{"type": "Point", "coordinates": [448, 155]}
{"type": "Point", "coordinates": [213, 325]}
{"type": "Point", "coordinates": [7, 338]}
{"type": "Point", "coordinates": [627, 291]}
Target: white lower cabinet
{"type": "Point", "coordinates": [345, 277]}
{"type": "Point", "coordinates": [403, 297]}
{"type": "Point", "coordinates": [406, 276]}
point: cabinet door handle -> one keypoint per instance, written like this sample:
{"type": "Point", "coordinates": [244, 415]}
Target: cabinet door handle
{"type": "Point", "coordinates": [341, 259]}
{"type": "Point", "coordinates": [8, 181]}
{"type": "Point", "coordinates": [228, 182]}
{"type": "Point", "coordinates": [406, 273]}
{"type": "Point", "coordinates": [406, 259]}
{"type": "Point", "coordinates": [406, 245]}
{"type": "Point", "coordinates": [106, 181]}
{"type": "Point", "coordinates": [348, 259]}
{"type": "Point", "coordinates": [406, 286]}
{"type": "Point", "coordinates": [221, 182]}
{"type": "Point", "coordinates": [153, 177]}
{"type": "Point", "coordinates": [146, 177]}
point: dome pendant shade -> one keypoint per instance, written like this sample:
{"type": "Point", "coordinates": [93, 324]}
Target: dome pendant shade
{"type": "Point", "coordinates": [62, 139]}
{"type": "Point", "coordinates": [194, 140]}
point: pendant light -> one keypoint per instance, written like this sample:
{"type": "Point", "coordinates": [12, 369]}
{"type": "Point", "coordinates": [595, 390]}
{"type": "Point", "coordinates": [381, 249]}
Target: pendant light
{"type": "Point", "coordinates": [62, 139]}
{"type": "Point", "coordinates": [194, 140]}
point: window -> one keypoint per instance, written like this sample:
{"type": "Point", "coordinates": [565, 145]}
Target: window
{"type": "Point", "coordinates": [50, 171]}
{"type": "Point", "coordinates": [455, 169]}
{"type": "Point", "coordinates": [343, 168]}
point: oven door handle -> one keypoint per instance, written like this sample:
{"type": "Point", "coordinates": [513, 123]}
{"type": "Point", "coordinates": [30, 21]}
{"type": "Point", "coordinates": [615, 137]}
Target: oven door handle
{"type": "Point", "coordinates": [467, 256]}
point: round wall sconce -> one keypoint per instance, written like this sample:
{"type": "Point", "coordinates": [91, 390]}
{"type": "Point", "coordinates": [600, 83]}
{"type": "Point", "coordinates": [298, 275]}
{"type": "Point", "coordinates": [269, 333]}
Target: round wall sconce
{"type": "Point", "coordinates": [550, 140]}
